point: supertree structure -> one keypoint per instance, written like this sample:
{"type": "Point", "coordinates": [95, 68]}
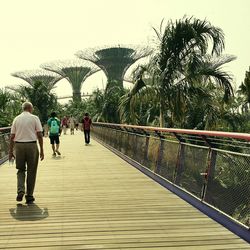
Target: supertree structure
{"type": "Point", "coordinates": [49, 79]}
{"type": "Point", "coordinates": [75, 71]}
{"type": "Point", "coordinates": [114, 60]}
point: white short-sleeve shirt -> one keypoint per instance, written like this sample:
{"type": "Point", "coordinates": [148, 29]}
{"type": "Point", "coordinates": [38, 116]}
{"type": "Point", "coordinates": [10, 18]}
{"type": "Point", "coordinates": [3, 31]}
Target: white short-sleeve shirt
{"type": "Point", "coordinates": [25, 127]}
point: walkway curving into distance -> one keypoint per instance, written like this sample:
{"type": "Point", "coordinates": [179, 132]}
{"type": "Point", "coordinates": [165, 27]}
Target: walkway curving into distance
{"type": "Point", "coordinates": [89, 198]}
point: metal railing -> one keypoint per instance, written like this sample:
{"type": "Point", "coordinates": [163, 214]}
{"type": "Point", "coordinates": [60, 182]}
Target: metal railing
{"type": "Point", "coordinates": [4, 143]}
{"type": "Point", "coordinates": [212, 166]}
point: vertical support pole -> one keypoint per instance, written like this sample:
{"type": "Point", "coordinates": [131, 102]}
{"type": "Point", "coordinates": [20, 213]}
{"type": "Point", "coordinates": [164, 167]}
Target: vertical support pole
{"type": "Point", "coordinates": [209, 173]}
{"type": "Point", "coordinates": [212, 163]}
{"type": "Point", "coordinates": [180, 160]}
{"type": "Point", "coordinates": [210, 169]}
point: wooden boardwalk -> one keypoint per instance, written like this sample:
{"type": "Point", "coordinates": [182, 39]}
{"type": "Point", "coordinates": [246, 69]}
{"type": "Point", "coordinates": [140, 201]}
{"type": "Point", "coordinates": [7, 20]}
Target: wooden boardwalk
{"type": "Point", "coordinates": [89, 198]}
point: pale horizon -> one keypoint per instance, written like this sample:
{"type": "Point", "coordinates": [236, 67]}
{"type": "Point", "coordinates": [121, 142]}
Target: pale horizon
{"type": "Point", "coordinates": [34, 32]}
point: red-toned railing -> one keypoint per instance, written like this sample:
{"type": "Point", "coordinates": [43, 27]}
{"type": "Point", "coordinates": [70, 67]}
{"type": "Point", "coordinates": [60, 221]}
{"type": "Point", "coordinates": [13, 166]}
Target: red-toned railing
{"type": "Point", "coordinates": [213, 166]}
{"type": "Point", "coordinates": [207, 133]}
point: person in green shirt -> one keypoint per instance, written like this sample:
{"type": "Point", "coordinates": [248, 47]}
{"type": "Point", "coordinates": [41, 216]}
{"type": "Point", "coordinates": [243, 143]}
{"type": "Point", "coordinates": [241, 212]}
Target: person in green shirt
{"type": "Point", "coordinates": [54, 132]}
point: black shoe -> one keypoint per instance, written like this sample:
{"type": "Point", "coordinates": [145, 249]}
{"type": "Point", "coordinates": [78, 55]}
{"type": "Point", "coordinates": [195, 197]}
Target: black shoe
{"type": "Point", "coordinates": [29, 199]}
{"type": "Point", "coordinates": [58, 152]}
{"type": "Point", "coordinates": [20, 196]}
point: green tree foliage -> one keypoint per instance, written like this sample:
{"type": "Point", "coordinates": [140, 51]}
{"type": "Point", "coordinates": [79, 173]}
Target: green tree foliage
{"type": "Point", "coordinates": [103, 105]}
{"type": "Point", "coordinates": [244, 92]}
{"type": "Point", "coordinates": [41, 97]}
{"type": "Point", "coordinates": [10, 106]}
{"type": "Point", "coordinates": [182, 68]}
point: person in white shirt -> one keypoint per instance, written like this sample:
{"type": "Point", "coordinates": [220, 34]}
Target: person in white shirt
{"type": "Point", "coordinates": [25, 130]}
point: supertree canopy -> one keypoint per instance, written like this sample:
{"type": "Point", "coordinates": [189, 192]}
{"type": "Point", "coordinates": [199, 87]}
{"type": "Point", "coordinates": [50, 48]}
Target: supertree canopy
{"type": "Point", "coordinates": [115, 60]}
{"type": "Point", "coordinates": [75, 71]}
{"type": "Point", "coordinates": [49, 79]}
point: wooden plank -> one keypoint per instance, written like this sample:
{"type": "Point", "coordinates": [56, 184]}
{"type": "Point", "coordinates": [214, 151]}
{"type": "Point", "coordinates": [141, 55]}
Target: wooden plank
{"type": "Point", "coordinates": [91, 199]}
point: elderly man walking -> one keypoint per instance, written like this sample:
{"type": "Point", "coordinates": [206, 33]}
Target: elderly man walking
{"type": "Point", "coordinates": [25, 130]}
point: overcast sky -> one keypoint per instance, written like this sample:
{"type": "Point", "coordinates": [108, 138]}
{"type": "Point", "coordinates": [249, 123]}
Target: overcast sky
{"type": "Point", "coordinates": [38, 31]}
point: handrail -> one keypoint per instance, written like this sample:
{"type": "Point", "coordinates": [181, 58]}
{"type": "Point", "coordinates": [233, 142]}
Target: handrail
{"type": "Point", "coordinates": [243, 136]}
{"type": "Point", "coordinates": [5, 128]}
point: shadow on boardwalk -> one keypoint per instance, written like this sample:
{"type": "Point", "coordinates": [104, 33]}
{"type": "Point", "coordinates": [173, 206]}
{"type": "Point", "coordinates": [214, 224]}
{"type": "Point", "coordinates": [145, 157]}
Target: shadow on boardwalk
{"type": "Point", "coordinates": [29, 212]}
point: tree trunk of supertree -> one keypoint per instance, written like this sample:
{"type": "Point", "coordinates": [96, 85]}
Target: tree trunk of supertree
{"type": "Point", "coordinates": [77, 97]}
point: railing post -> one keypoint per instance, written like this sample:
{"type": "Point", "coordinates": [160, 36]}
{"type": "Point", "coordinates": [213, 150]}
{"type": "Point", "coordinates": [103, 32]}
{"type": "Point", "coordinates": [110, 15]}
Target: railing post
{"type": "Point", "coordinates": [210, 169]}
{"type": "Point", "coordinates": [212, 163]}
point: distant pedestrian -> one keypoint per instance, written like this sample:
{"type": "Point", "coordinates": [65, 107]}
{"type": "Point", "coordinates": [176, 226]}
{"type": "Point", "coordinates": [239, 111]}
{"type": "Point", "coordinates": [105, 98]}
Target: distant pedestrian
{"type": "Point", "coordinates": [86, 125]}
{"type": "Point", "coordinates": [77, 123]}
{"type": "Point", "coordinates": [25, 130]}
{"type": "Point", "coordinates": [54, 132]}
{"type": "Point", "coordinates": [64, 124]}
{"type": "Point", "coordinates": [72, 124]}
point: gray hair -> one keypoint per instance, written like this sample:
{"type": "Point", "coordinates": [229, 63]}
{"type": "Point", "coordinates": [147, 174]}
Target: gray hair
{"type": "Point", "coordinates": [27, 105]}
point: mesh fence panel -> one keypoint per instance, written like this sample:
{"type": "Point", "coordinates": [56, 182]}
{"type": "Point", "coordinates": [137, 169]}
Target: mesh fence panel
{"type": "Point", "coordinates": [4, 146]}
{"type": "Point", "coordinates": [193, 163]}
{"type": "Point", "coordinates": [130, 145]}
{"type": "Point", "coordinates": [229, 187]}
{"type": "Point", "coordinates": [116, 140]}
{"type": "Point", "coordinates": [112, 137]}
{"type": "Point", "coordinates": [140, 149]}
{"type": "Point", "coordinates": [152, 154]}
{"type": "Point", "coordinates": [122, 142]}
{"type": "Point", "coordinates": [169, 159]}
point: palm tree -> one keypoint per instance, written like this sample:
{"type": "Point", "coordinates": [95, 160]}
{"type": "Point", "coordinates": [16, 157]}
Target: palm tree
{"type": "Point", "coordinates": [182, 62]}
{"type": "Point", "coordinates": [10, 106]}
{"type": "Point", "coordinates": [111, 99]}
{"type": "Point", "coordinates": [244, 90]}
{"type": "Point", "coordinates": [95, 104]}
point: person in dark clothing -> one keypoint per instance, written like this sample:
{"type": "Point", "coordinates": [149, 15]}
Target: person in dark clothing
{"type": "Point", "coordinates": [86, 125]}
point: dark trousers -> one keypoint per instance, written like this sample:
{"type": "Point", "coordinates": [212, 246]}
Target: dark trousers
{"type": "Point", "coordinates": [87, 136]}
{"type": "Point", "coordinates": [26, 160]}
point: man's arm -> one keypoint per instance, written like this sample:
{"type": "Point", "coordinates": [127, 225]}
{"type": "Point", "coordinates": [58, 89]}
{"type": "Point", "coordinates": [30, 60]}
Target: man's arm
{"type": "Point", "coordinates": [11, 147]}
{"type": "Point", "coordinates": [40, 141]}
{"type": "Point", "coordinates": [39, 133]}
